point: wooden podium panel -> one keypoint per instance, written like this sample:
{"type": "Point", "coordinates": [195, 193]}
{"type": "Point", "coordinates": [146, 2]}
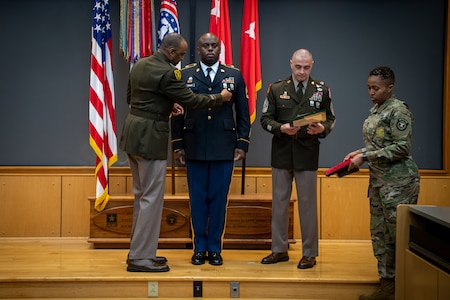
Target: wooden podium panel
{"type": "Point", "coordinates": [111, 228]}
{"type": "Point", "coordinates": [248, 223]}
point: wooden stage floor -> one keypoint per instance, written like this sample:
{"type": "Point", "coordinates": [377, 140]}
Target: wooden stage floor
{"type": "Point", "coordinates": [72, 268]}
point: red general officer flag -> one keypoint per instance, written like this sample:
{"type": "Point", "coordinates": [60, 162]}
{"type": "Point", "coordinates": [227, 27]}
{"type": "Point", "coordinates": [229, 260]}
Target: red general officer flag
{"type": "Point", "coordinates": [219, 24]}
{"type": "Point", "coordinates": [250, 54]}
{"type": "Point", "coordinates": [102, 118]}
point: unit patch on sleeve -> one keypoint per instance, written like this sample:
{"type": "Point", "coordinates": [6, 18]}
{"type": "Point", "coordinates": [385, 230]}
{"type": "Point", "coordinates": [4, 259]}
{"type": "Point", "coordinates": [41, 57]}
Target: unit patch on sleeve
{"type": "Point", "coordinates": [402, 124]}
{"type": "Point", "coordinates": [177, 74]}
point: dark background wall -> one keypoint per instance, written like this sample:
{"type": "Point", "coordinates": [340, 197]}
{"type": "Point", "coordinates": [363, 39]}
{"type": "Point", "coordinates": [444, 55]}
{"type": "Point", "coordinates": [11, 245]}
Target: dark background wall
{"type": "Point", "coordinates": [45, 65]}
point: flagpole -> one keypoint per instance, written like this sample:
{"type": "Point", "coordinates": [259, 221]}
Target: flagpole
{"type": "Point", "coordinates": [172, 154]}
{"type": "Point", "coordinates": [154, 43]}
{"type": "Point", "coordinates": [243, 177]}
{"type": "Point", "coordinates": [192, 43]}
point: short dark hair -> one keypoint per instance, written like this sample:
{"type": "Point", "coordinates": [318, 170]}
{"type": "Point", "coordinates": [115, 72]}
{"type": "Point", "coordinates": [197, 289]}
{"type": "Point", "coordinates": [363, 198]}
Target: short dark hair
{"type": "Point", "coordinates": [171, 40]}
{"type": "Point", "coordinates": [385, 73]}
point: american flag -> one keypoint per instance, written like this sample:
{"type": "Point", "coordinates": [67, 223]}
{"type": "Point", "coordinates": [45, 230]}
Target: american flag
{"type": "Point", "coordinates": [219, 24]}
{"type": "Point", "coordinates": [168, 21]}
{"type": "Point", "coordinates": [102, 119]}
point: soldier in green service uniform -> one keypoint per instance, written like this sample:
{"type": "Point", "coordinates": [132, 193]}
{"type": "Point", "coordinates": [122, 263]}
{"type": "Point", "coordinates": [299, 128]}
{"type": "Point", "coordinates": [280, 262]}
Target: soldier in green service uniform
{"type": "Point", "coordinates": [295, 154]}
{"type": "Point", "coordinates": [394, 176]}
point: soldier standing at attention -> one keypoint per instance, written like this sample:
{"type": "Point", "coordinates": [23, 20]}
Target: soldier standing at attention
{"type": "Point", "coordinates": [209, 141]}
{"type": "Point", "coordinates": [394, 176]}
{"type": "Point", "coordinates": [295, 154]}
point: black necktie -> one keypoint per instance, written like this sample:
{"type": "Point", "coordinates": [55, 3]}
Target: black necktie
{"type": "Point", "coordinates": [208, 70]}
{"type": "Point", "coordinates": [300, 90]}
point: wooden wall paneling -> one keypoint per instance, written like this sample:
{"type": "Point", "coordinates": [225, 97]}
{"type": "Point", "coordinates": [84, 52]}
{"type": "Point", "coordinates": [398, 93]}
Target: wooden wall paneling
{"type": "Point", "coordinates": [62, 197]}
{"type": "Point", "coordinates": [167, 188]}
{"type": "Point", "coordinates": [31, 206]}
{"type": "Point", "coordinates": [434, 191]}
{"type": "Point", "coordinates": [75, 216]}
{"type": "Point", "coordinates": [345, 208]}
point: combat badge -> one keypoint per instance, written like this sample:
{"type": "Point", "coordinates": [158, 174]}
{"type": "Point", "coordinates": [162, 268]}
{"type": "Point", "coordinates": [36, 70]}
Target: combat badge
{"type": "Point", "coordinates": [285, 96]}
{"type": "Point", "coordinates": [402, 124]}
{"type": "Point", "coordinates": [177, 74]}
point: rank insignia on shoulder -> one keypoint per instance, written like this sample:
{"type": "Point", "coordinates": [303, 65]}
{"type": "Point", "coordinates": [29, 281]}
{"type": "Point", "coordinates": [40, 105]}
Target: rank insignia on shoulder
{"type": "Point", "coordinates": [189, 66]}
{"type": "Point", "coordinates": [177, 74]}
{"type": "Point", "coordinates": [231, 67]}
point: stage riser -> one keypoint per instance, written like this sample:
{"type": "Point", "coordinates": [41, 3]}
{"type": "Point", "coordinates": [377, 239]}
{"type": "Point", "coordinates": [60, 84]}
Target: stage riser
{"type": "Point", "coordinates": [183, 289]}
{"type": "Point", "coordinates": [67, 268]}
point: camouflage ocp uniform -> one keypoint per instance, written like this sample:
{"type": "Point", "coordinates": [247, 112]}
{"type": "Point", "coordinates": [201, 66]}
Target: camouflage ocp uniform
{"type": "Point", "coordinates": [394, 176]}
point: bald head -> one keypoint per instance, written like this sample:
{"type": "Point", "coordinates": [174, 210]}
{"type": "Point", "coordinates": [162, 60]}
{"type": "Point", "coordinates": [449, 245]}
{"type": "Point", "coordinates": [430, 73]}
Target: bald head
{"type": "Point", "coordinates": [302, 54]}
{"type": "Point", "coordinates": [301, 64]}
{"type": "Point", "coordinates": [208, 48]}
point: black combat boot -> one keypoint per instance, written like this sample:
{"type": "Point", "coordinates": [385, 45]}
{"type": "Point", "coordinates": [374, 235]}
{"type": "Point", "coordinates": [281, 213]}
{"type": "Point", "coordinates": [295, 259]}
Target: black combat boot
{"type": "Point", "coordinates": [386, 291]}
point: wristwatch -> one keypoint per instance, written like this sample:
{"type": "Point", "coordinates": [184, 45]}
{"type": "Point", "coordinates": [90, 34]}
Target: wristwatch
{"type": "Point", "coordinates": [364, 156]}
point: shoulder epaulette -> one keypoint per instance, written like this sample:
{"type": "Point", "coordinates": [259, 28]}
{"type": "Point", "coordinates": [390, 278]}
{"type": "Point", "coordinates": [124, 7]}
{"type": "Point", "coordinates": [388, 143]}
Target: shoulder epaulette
{"type": "Point", "coordinates": [230, 66]}
{"type": "Point", "coordinates": [319, 82]}
{"type": "Point", "coordinates": [279, 80]}
{"type": "Point", "coordinates": [189, 66]}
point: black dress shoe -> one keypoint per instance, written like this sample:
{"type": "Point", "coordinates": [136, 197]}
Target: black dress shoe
{"type": "Point", "coordinates": [215, 259]}
{"type": "Point", "coordinates": [198, 258]}
{"type": "Point", "coordinates": [160, 259]}
{"type": "Point", "coordinates": [306, 262]}
{"type": "Point", "coordinates": [146, 265]}
{"type": "Point", "coordinates": [273, 258]}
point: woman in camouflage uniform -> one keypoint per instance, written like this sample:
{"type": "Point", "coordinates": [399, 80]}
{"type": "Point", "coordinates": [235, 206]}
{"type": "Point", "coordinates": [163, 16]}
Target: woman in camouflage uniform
{"type": "Point", "coordinates": [394, 176]}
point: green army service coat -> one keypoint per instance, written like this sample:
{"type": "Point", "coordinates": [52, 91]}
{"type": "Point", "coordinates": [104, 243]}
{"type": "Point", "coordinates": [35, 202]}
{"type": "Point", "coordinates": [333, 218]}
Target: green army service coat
{"type": "Point", "coordinates": [282, 105]}
{"type": "Point", "coordinates": [154, 85]}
